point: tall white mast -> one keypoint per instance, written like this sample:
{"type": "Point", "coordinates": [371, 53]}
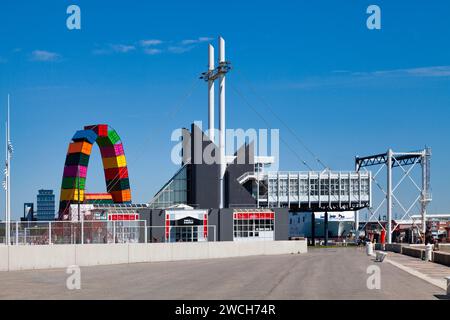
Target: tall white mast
{"type": "Point", "coordinates": [210, 76]}
{"type": "Point", "coordinates": [223, 164]}
{"type": "Point", "coordinates": [211, 119]}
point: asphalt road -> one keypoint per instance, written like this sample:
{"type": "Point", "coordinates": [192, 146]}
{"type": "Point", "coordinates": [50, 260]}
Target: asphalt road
{"type": "Point", "coordinates": [339, 273]}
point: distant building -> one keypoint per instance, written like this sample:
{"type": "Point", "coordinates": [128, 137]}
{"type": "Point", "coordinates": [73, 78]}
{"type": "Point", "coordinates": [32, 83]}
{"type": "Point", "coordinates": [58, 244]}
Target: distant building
{"type": "Point", "coordinates": [45, 205]}
{"type": "Point", "coordinates": [28, 212]}
{"type": "Point", "coordinates": [340, 224]}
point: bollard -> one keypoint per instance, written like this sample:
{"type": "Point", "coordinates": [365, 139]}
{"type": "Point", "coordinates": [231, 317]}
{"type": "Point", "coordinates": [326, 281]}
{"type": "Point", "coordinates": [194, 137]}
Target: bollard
{"type": "Point", "coordinates": [369, 248]}
{"type": "Point", "coordinates": [428, 252]}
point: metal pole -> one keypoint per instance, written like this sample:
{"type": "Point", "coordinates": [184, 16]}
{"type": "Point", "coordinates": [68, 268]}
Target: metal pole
{"type": "Point", "coordinates": [356, 211]}
{"type": "Point", "coordinates": [389, 197]}
{"type": "Point", "coordinates": [9, 170]}
{"type": "Point", "coordinates": [325, 229]}
{"type": "Point", "coordinates": [145, 231]}
{"type": "Point", "coordinates": [313, 229]}
{"type": "Point", "coordinates": [424, 193]}
{"type": "Point", "coordinates": [211, 96]}
{"type": "Point", "coordinates": [82, 227]}
{"type": "Point", "coordinates": [49, 232]}
{"type": "Point", "coordinates": [114, 232]}
{"type": "Point", "coordinates": [222, 125]}
{"type": "Point", "coordinates": [78, 189]}
{"type": "Point", "coordinates": [17, 233]}
{"type": "Point", "coordinates": [6, 185]}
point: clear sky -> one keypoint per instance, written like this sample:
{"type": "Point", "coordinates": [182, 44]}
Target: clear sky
{"type": "Point", "coordinates": [343, 89]}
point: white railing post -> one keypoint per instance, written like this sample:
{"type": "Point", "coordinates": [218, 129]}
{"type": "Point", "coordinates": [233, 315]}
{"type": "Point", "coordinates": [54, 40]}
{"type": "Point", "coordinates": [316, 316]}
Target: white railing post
{"type": "Point", "coordinates": [145, 231]}
{"type": "Point", "coordinates": [82, 231]}
{"type": "Point", "coordinates": [114, 232]}
{"type": "Point", "coordinates": [49, 232]}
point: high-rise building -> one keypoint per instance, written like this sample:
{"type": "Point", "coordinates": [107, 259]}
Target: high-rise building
{"type": "Point", "coordinates": [45, 205]}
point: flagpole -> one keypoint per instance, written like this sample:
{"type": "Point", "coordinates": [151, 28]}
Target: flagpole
{"type": "Point", "coordinates": [8, 181]}
{"type": "Point", "coordinates": [5, 183]}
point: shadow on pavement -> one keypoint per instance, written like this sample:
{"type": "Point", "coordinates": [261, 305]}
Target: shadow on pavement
{"type": "Point", "coordinates": [442, 296]}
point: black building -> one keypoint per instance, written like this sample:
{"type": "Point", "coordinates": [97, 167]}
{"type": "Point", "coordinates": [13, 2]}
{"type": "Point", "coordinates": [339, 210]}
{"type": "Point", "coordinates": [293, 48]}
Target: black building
{"type": "Point", "coordinates": [28, 212]}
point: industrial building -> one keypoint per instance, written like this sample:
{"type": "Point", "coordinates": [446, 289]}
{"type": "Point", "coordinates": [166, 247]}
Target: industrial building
{"type": "Point", "coordinates": [237, 194]}
{"type": "Point", "coordinates": [233, 198]}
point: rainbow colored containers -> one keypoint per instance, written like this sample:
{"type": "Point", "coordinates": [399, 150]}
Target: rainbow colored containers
{"type": "Point", "coordinates": [76, 165]}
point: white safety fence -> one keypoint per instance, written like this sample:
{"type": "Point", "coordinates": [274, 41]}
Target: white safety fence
{"type": "Point", "coordinates": [101, 232]}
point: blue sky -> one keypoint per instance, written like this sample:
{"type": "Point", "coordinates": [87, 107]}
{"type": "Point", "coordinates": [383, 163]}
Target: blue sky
{"type": "Point", "coordinates": [343, 89]}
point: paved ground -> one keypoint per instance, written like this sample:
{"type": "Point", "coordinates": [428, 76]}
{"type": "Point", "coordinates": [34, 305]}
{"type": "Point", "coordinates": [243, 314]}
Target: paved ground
{"type": "Point", "coordinates": [435, 272]}
{"type": "Point", "coordinates": [320, 274]}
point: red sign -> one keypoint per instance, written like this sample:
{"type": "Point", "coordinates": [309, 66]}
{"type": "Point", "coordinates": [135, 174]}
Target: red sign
{"type": "Point", "coordinates": [254, 216]}
{"type": "Point", "coordinates": [123, 217]}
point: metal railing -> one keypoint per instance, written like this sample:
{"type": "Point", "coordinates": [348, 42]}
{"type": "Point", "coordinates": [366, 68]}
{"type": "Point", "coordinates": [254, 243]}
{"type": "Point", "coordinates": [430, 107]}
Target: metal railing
{"type": "Point", "coordinates": [101, 232]}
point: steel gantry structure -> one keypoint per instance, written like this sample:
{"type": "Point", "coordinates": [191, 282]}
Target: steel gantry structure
{"type": "Point", "coordinates": [407, 161]}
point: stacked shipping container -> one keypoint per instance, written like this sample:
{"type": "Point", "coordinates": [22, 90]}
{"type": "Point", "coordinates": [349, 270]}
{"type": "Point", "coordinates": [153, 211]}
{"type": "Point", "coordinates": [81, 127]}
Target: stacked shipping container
{"type": "Point", "coordinates": [77, 161]}
{"type": "Point", "coordinates": [98, 198]}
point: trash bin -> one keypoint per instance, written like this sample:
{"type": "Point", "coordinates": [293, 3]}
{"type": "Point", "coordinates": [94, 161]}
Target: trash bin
{"type": "Point", "coordinates": [379, 256]}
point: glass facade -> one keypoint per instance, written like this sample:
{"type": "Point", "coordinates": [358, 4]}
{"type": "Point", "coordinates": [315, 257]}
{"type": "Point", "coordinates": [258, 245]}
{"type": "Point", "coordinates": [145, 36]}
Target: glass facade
{"type": "Point", "coordinates": [253, 225]}
{"type": "Point", "coordinates": [173, 193]}
{"type": "Point", "coordinates": [45, 205]}
{"type": "Point", "coordinates": [337, 190]}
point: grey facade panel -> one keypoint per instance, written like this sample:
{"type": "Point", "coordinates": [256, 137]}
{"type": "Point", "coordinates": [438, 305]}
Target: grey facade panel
{"type": "Point", "coordinates": [226, 225]}
{"type": "Point", "coordinates": [236, 195]}
{"type": "Point", "coordinates": [213, 220]}
{"type": "Point", "coordinates": [155, 218]}
{"type": "Point", "coordinates": [203, 190]}
{"type": "Point", "coordinates": [281, 224]}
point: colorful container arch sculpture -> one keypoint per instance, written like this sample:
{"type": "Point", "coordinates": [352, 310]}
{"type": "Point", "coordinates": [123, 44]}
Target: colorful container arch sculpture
{"type": "Point", "coordinates": [76, 165]}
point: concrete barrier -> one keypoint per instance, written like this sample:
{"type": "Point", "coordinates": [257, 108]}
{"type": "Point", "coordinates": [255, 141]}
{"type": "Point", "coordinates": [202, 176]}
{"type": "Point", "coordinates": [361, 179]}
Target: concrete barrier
{"type": "Point", "coordinates": [41, 257]}
{"type": "Point", "coordinates": [413, 252]}
{"type": "Point", "coordinates": [379, 246]}
{"type": "Point", "coordinates": [4, 258]}
{"type": "Point", "coordinates": [190, 251]}
{"type": "Point", "coordinates": [444, 247]}
{"type": "Point", "coordinates": [101, 254]}
{"type": "Point", "coordinates": [394, 247]}
{"type": "Point", "coordinates": [223, 249]}
{"type": "Point", "coordinates": [160, 252]}
{"type": "Point", "coordinates": [138, 253]}
{"type": "Point", "coordinates": [441, 258]}
{"type": "Point", "coordinates": [251, 248]}
{"type": "Point", "coordinates": [62, 256]}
